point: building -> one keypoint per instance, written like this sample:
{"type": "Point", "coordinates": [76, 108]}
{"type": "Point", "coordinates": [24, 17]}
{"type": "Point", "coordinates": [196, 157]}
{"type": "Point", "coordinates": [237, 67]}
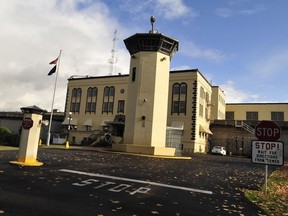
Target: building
{"type": "Point", "coordinates": [237, 130]}
{"type": "Point", "coordinates": [97, 102]}
{"type": "Point", "coordinates": [277, 112]}
{"type": "Point", "coordinates": [138, 108]}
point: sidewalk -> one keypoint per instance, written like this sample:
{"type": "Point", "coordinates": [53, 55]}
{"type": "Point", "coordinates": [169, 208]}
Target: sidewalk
{"type": "Point", "coordinates": [99, 149]}
{"type": "Point", "coordinates": [7, 148]}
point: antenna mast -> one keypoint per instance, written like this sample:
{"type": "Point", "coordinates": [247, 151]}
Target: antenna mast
{"type": "Point", "coordinates": [113, 60]}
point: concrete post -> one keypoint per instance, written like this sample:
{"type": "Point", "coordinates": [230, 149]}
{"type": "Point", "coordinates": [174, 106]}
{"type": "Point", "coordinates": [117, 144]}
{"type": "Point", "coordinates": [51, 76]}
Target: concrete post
{"type": "Point", "coordinates": [30, 133]}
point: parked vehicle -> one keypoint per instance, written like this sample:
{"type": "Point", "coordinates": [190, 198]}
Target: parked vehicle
{"type": "Point", "coordinates": [219, 150]}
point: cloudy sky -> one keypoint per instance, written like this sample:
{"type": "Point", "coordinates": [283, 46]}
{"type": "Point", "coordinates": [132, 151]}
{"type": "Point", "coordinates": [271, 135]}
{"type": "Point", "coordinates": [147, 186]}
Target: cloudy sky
{"type": "Point", "coordinates": [239, 45]}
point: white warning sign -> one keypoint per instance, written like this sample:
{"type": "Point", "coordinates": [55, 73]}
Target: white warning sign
{"type": "Point", "coordinates": [268, 152]}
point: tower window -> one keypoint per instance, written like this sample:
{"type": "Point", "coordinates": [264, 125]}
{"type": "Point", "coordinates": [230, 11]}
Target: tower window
{"type": "Point", "coordinates": [121, 105]}
{"type": "Point", "coordinates": [133, 74]}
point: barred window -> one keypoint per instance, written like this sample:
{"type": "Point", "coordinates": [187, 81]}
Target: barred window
{"type": "Point", "coordinates": [108, 99]}
{"type": "Point", "coordinates": [179, 98]}
{"type": "Point", "coordinates": [229, 115]}
{"type": "Point", "coordinates": [91, 100]}
{"type": "Point", "coordinates": [277, 116]}
{"type": "Point", "coordinates": [121, 106]}
{"type": "Point", "coordinates": [252, 116]}
{"type": "Point", "coordinates": [75, 100]}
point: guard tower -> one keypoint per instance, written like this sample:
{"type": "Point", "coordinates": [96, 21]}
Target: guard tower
{"type": "Point", "coordinates": [146, 113]}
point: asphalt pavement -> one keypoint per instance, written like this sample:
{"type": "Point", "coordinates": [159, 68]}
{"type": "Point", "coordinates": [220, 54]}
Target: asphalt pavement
{"type": "Point", "coordinates": [90, 182]}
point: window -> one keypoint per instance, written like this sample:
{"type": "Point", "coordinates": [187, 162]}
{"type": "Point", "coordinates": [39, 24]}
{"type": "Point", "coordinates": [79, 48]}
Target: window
{"type": "Point", "coordinates": [75, 100]}
{"type": "Point", "coordinates": [252, 116]}
{"type": "Point", "coordinates": [91, 100]}
{"type": "Point", "coordinates": [121, 105]}
{"type": "Point", "coordinates": [88, 128]}
{"type": "Point", "coordinates": [108, 99]}
{"type": "Point", "coordinates": [202, 93]}
{"type": "Point", "coordinates": [277, 116]}
{"type": "Point", "coordinates": [229, 115]}
{"type": "Point", "coordinates": [133, 74]}
{"type": "Point", "coordinates": [201, 111]}
{"type": "Point", "coordinates": [207, 116]}
{"type": "Point", "coordinates": [179, 98]}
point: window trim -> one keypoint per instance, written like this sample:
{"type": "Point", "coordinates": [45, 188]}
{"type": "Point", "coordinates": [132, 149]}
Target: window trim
{"type": "Point", "coordinates": [91, 99]}
{"type": "Point", "coordinates": [179, 97]}
{"type": "Point", "coordinates": [108, 99]}
{"type": "Point", "coordinates": [119, 109]}
{"type": "Point", "coordinates": [75, 100]}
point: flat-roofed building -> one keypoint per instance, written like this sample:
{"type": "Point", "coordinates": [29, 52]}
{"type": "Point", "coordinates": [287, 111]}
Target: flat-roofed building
{"type": "Point", "coordinates": [237, 130]}
{"type": "Point", "coordinates": [97, 103]}
{"type": "Point", "coordinates": [257, 111]}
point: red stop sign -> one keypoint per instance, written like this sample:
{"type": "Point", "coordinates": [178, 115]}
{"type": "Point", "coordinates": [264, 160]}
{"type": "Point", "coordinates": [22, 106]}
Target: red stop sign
{"type": "Point", "coordinates": [267, 131]}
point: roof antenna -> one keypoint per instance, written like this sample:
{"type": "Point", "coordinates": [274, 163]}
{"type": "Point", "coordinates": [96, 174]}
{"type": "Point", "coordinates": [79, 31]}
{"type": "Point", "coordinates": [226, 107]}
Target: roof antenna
{"type": "Point", "coordinates": [113, 59]}
{"type": "Point", "coordinates": [152, 20]}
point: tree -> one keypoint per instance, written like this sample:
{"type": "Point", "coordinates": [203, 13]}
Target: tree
{"type": "Point", "coordinates": [4, 130]}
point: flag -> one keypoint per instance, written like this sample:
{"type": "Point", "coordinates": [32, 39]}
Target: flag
{"type": "Point", "coordinates": [52, 70]}
{"type": "Point", "coordinates": [54, 61]}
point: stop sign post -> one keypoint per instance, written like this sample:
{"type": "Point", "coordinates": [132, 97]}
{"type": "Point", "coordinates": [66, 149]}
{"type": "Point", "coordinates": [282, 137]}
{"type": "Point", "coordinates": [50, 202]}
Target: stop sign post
{"type": "Point", "coordinates": [267, 131]}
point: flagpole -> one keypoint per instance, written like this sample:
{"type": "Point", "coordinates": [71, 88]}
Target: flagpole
{"type": "Point", "coordinates": [52, 105]}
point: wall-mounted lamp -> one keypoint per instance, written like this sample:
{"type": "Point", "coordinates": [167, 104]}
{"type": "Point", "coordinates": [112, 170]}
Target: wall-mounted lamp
{"type": "Point", "coordinates": [133, 57]}
{"type": "Point", "coordinates": [45, 122]}
{"type": "Point", "coordinates": [163, 59]}
{"type": "Point", "coordinates": [145, 100]}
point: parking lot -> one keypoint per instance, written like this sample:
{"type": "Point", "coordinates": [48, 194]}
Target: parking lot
{"type": "Point", "coordinates": [90, 182]}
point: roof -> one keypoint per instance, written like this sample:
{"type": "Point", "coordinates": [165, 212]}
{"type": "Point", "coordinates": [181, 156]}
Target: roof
{"type": "Point", "coordinates": [259, 103]}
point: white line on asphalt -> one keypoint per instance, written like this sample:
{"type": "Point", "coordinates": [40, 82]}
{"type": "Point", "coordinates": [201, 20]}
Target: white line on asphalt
{"type": "Point", "coordinates": [136, 181]}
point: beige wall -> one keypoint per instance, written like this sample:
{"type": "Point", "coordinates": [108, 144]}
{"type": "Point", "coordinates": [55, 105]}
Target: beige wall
{"type": "Point", "coordinates": [100, 83]}
{"type": "Point", "coordinates": [264, 110]}
{"type": "Point", "coordinates": [147, 98]}
{"type": "Point", "coordinates": [218, 103]}
{"type": "Point", "coordinates": [190, 77]}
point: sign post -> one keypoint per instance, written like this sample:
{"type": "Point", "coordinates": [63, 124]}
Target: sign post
{"type": "Point", "coordinates": [267, 150]}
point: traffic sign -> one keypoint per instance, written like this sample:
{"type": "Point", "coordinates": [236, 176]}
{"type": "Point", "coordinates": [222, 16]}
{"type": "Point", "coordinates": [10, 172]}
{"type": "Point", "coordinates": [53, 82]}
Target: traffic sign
{"type": "Point", "coordinates": [27, 123]}
{"type": "Point", "coordinates": [267, 131]}
{"type": "Point", "coordinates": [267, 152]}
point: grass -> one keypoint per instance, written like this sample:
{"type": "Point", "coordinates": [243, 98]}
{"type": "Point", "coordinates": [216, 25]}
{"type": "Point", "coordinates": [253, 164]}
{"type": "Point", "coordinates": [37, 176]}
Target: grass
{"type": "Point", "coordinates": [3, 148]}
{"type": "Point", "coordinates": [275, 201]}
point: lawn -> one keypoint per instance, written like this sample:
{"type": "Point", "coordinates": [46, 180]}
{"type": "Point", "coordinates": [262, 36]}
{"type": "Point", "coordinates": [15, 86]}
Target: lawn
{"type": "Point", "coordinates": [275, 201]}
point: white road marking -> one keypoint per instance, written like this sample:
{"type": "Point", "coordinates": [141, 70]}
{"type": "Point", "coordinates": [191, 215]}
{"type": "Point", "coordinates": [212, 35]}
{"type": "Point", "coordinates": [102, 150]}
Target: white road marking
{"type": "Point", "coordinates": [137, 181]}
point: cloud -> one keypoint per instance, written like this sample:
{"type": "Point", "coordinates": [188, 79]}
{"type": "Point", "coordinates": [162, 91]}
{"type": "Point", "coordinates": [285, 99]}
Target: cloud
{"type": "Point", "coordinates": [33, 32]}
{"type": "Point", "coordinates": [233, 11]}
{"type": "Point", "coordinates": [182, 67]}
{"type": "Point", "coordinates": [172, 9]}
{"type": "Point", "coordinates": [272, 64]}
{"type": "Point", "coordinates": [192, 50]}
{"type": "Point", "coordinates": [257, 9]}
{"type": "Point", "coordinates": [234, 95]}
{"type": "Point", "coordinates": [169, 9]}
{"type": "Point", "coordinates": [224, 12]}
